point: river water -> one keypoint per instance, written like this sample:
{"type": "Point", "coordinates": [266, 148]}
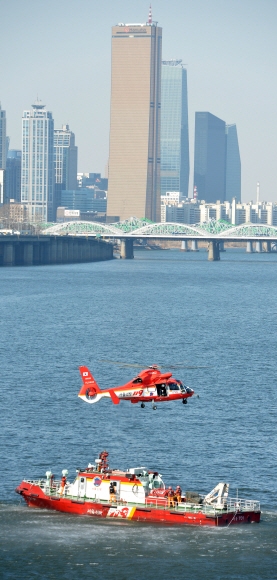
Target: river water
{"type": "Point", "coordinates": [163, 307]}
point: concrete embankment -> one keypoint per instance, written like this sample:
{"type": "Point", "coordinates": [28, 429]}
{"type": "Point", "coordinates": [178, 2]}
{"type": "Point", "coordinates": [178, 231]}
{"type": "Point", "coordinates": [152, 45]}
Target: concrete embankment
{"type": "Point", "coordinates": [28, 250]}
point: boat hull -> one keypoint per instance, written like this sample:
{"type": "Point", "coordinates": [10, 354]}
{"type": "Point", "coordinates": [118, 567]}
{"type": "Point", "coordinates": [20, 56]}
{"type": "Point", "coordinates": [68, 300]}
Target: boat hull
{"type": "Point", "coordinates": [35, 497]}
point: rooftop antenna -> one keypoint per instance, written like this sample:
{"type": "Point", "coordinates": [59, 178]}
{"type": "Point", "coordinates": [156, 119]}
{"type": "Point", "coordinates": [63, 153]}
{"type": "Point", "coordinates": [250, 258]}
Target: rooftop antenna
{"type": "Point", "coordinates": [258, 192]}
{"type": "Point", "coordinates": [150, 15]}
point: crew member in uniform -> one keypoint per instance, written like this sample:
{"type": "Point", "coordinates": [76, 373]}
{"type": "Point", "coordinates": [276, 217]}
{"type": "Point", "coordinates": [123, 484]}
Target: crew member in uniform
{"type": "Point", "coordinates": [178, 494]}
{"type": "Point", "coordinates": [63, 484]}
{"type": "Point", "coordinates": [112, 491]}
{"type": "Point", "coordinates": [103, 456]}
{"type": "Point", "coordinates": [170, 496]}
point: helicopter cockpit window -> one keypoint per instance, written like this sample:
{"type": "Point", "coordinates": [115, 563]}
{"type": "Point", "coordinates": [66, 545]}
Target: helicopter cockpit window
{"type": "Point", "coordinates": [174, 387]}
{"type": "Point", "coordinates": [136, 381]}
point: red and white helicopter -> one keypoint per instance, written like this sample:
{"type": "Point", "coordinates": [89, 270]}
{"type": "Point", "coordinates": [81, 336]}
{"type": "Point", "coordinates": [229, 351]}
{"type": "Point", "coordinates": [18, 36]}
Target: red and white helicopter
{"type": "Point", "coordinates": [149, 386]}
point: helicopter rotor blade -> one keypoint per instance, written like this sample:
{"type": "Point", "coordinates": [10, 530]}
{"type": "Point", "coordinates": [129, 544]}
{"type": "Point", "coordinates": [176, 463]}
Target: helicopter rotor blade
{"type": "Point", "coordinates": [121, 364]}
{"type": "Point", "coordinates": [183, 367]}
{"type": "Point", "coordinates": [150, 366]}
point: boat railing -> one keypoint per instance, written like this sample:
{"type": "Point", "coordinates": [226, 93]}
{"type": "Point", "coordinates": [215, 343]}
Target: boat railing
{"type": "Point", "coordinates": [235, 503]}
{"type": "Point", "coordinates": [48, 489]}
{"type": "Point", "coordinates": [228, 504]}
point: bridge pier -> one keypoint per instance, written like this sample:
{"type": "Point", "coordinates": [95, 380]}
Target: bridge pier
{"type": "Point", "coordinates": [70, 251]}
{"type": "Point", "coordinates": [184, 246]}
{"type": "Point", "coordinates": [267, 246]}
{"type": "Point", "coordinates": [214, 253]}
{"type": "Point", "coordinates": [249, 247]}
{"type": "Point", "coordinates": [28, 254]}
{"type": "Point", "coordinates": [194, 246]}
{"type": "Point", "coordinates": [80, 251]}
{"type": "Point", "coordinates": [221, 247]}
{"type": "Point", "coordinates": [8, 255]}
{"type": "Point", "coordinates": [53, 251]}
{"type": "Point", "coordinates": [94, 252]}
{"type": "Point", "coordinates": [65, 252]}
{"type": "Point", "coordinates": [86, 251]}
{"type": "Point", "coordinates": [127, 249]}
{"type": "Point", "coordinates": [36, 254]}
{"type": "Point", "coordinates": [59, 254]}
{"type": "Point", "coordinates": [75, 250]}
{"type": "Point", "coordinates": [259, 247]}
{"type": "Point", "coordinates": [45, 253]}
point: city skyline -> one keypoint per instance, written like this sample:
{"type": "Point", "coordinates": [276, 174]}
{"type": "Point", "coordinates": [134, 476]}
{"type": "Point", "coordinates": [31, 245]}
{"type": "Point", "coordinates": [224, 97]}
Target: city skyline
{"type": "Point", "coordinates": [224, 46]}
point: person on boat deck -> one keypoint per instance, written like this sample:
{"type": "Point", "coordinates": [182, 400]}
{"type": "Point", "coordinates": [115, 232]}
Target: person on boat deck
{"type": "Point", "coordinates": [63, 484]}
{"type": "Point", "coordinates": [178, 493]}
{"type": "Point", "coordinates": [170, 496]}
{"type": "Point", "coordinates": [112, 491]}
{"type": "Point", "coordinates": [102, 456]}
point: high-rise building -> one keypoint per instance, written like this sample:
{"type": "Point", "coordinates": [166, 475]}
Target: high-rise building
{"type": "Point", "coordinates": [233, 165]}
{"type": "Point", "coordinates": [84, 199]}
{"type": "Point", "coordinates": [209, 157]}
{"type": "Point", "coordinates": [2, 186]}
{"type": "Point", "coordinates": [174, 129]}
{"type": "Point", "coordinates": [134, 160]}
{"type": "Point", "coordinates": [37, 179]}
{"type": "Point", "coordinates": [13, 176]}
{"type": "Point", "coordinates": [65, 162]}
{"type": "Point", "coordinates": [3, 140]}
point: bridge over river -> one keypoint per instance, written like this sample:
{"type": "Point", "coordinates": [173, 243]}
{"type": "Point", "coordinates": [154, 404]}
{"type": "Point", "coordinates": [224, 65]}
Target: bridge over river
{"type": "Point", "coordinates": [262, 236]}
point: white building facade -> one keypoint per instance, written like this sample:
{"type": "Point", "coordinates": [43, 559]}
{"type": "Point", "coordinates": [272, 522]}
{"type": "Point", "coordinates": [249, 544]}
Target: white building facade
{"type": "Point", "coordinates": [37, 178]}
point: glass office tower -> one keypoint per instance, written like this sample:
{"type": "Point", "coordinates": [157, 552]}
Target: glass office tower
{"type": "Point", "coordinates": [209, 157]}
{"type": "Point", "coordinates": [37, 180]}
{"type": "Point", "coordinates": [3, 143]}
{"type": "Point", "coordinates": [174, 129]}
{"type": "Point", "coordinates": [134, 161]}
{"type": "Point", "coordinates": [65, 162]}
{"type": "Point", "coordinates": [233, 164]}
{"type": "Point", "coordinates": [13, 176]}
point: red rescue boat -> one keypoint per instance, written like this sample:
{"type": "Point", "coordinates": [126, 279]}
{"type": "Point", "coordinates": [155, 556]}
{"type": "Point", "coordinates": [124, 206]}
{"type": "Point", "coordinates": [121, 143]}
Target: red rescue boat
{"type": "Point", "coordinates": [136, 494]}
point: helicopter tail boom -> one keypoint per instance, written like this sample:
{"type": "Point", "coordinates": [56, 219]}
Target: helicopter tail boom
{"type": "Point", "coordinates": [90, 386]}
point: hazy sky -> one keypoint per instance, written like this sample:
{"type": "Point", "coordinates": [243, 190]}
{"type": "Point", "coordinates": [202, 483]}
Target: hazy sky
{"type": "Point", "coordinates": [61, 51]}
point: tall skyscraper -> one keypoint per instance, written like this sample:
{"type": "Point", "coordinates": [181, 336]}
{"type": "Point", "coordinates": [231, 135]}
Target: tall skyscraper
{"type": "Point", "coordinates": [65, 162]}
{"type": "Point", "coordinates": [37, 182]}
{"type": "Point", "coordinates": [217, 166]}
{"type": "Point", "coordinates": [3, 141]}
{"type": "Point", "coordinates": [233, 165]}
{"type": "Point", "coordinates": [13, 176]}
{"type": "Point", "coordinates": [174, 129]}
{"type": "Point", "coordinates": [209, 157]}
{"type": "Point", "coordinates": [134, 161]}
